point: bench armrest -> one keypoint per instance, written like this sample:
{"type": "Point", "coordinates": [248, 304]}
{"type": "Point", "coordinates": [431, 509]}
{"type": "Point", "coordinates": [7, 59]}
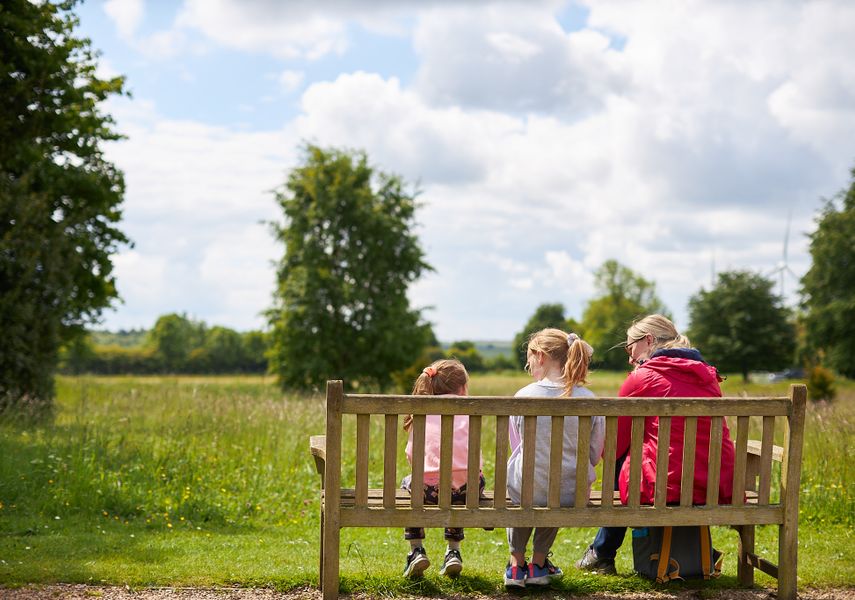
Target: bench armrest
{"type": "Point", "coordinates": [754, 447]}
{"type": "Point", "coordinates": [752, 465]}
{"type": "Point", "coordinates": [318, 447]}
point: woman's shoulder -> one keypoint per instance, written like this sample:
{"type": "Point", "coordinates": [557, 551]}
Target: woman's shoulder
{"type": "Point", "coordinates": [637, 381]}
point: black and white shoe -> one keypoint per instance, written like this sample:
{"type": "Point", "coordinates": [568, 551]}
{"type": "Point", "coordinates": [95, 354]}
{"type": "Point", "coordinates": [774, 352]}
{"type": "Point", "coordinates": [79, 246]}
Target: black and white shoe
{"type": "Point", "coordinates": [417, 563]}
{"type": "Point", "coordinates": [452, 565]}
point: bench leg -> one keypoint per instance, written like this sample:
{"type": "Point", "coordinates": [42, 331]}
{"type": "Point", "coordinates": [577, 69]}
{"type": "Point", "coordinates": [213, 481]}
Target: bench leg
{"type": "Point", "coordinates": [745, 572]}
{"type": "Point", "coordinates": [321, 555]}
{"type": "Point", "coordinates": [787, 561]}
{"type": "Point", "coordinates": [329, 559]}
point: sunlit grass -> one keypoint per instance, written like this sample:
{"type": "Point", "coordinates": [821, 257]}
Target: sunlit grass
{"type": "Point", "coordinates": [208, 481]}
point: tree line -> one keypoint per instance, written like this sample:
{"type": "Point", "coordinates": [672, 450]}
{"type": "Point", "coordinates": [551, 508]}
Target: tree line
{"type": "Point", "coordinates": [350, 254]}
{"type": "Point", "coordinates": [176, 344]}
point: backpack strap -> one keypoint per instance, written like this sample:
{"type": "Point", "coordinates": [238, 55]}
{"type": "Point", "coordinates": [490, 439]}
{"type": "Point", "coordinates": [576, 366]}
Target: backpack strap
{"type": "Point", "coordinates": [717, 572]}
{"type": "Point", "coordinates": [664, 556]}
{"type": "Point", "coordinates": [706, 551]}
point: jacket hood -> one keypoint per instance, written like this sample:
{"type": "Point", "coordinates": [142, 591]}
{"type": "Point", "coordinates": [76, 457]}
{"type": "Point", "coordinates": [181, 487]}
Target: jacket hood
{"type": "Point", "coordinates": [686, 366]}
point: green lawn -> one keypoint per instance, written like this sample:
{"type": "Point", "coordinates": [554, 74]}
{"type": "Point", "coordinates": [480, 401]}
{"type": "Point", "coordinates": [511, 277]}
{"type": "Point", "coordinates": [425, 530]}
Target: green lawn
{"type": "Point", "coordinates": [208, 481]}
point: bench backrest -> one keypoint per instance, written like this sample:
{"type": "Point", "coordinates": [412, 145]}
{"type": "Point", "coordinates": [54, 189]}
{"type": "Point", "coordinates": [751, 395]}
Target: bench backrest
{"type": "Point", "coordinates": [752, 469]}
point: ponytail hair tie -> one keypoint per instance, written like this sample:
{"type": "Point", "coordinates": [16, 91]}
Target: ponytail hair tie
{"type": "Point", "coordinates": [429, 371]}
{"type": "Point", "coordinates": [572, 337]}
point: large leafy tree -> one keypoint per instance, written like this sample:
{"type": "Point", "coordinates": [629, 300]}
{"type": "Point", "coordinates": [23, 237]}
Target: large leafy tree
{"type": "Point", "coordinates": [59, 197]}
{"type": "Point", "coordinates": [341, 308]}
{"type": "Point", "coordinates": [741, 325]}
{"type": "Point", "coordinates": [622, 296]}
{"type": "Point", "coordinates": [828, 288]}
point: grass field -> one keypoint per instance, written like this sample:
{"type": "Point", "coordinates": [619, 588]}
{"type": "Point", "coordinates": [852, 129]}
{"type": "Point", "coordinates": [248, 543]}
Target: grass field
{"type": "Point", "coordinates": [208, 481]}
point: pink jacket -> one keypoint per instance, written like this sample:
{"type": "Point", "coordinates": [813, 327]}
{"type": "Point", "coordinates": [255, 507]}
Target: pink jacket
{"type": "Point", "coordinates": [459, 455]}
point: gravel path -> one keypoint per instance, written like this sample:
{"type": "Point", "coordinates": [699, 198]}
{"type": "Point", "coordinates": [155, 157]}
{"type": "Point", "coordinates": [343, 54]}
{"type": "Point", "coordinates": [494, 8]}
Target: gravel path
{"type": "Point", "coordinates": [85, 592]}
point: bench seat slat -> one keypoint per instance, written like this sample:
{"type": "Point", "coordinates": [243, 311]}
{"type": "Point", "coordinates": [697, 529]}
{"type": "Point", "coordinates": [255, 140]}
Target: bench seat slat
{"type": "Point", "coordinates": [402, 498]}
{"type": "Point", "coordinates": [460, 516]}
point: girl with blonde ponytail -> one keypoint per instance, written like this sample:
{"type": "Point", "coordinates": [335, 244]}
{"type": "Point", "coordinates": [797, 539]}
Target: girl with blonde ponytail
{"type": "Point", "coordinates": [559, 362]}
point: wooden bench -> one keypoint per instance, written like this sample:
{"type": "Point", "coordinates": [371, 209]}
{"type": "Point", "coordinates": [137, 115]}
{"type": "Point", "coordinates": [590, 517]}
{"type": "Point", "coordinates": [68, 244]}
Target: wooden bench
{"type": "Point", "coordinates": [390, 506]}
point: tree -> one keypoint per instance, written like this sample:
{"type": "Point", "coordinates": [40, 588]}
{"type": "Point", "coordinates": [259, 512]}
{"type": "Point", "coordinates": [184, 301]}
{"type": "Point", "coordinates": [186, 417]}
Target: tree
{"type": "Point", "coordinates": [341, 308]}
{"type": "Point", "coordinates": [545, 315]}
{"type": "Point", "coordinates": [59, 198]}
{"type": "Point", "coordinates": [466, 352]}
{"type": "Point", "coordinates": [742, 325]}
{"type": "Point", "coordinates": [174, 337]}
{"type": "Point", "coordinates": [222, 351]}
{"type": "Point", "coordinates": [828, 288]}
{"type": "Point", "coordinates": [255, 345]}
{"type": "Point", "coordinates": [623, 296]}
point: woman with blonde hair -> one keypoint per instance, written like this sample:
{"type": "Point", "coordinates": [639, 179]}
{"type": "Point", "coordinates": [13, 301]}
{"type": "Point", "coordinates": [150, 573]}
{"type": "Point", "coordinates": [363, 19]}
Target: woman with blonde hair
{"type": "Point", "coordinates": [665, 365]}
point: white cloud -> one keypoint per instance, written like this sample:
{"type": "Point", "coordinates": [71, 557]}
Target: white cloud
{"type": "Point", "coordinates": [126, 15]}
{"type": "Point", "coordinates": [400, 131]}
{"type": "Point", "coordinates": [283, 29]}
{"type": "Point", "coordinates": [513, 57]}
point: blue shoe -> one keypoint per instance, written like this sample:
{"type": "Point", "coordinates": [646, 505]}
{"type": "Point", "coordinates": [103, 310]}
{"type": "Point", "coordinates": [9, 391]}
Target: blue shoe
{"type": "Point", "coordinates": [543, 575]}
{"type": "Point", "coordinates": [515, 576]}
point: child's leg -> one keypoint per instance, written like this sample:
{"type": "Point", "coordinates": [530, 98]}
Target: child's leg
{"type": "Point", "coordinates": [414, 535]}
{"type": "Point", "coordinates": [544, 537]}
{"type": "Point", "coordinates": [517, 541]}
{"type": "Point", "coordinates": [453, 536]}
{"type": "Point", "coordinates": [452, 565]}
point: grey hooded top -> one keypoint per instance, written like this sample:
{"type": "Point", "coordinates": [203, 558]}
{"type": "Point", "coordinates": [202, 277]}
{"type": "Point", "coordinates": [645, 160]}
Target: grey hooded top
{"type": "Point", "coordinates": [550, 389]}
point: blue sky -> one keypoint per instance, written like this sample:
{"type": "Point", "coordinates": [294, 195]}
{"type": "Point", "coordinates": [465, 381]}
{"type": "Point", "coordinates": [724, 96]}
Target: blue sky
{"type": "Point", "coordinates": [546, 137]}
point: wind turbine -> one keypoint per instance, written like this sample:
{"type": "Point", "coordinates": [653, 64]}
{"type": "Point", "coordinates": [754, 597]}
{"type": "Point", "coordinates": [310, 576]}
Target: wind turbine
{"type": "Point", "coordinates": [783, 267]}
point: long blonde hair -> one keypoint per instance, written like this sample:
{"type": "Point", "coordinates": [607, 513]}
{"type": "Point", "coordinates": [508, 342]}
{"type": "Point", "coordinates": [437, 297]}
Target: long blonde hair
{"type": "Point", "coordinates": [566, 349]}
{"type": "Point", "coordinates": [445, 376]}
{"type": "Point", "coordinates": [663, 331]}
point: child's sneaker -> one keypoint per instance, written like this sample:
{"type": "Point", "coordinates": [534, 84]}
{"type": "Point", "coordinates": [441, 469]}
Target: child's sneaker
{"type": "Point", "coordinates": [452, 565]}
{"type": "Point", "coordinates": [515, 576]}
{"type": "Point", "coordinates": [417, 563]}
{"type": "Point", "coordinates": [542, 575]}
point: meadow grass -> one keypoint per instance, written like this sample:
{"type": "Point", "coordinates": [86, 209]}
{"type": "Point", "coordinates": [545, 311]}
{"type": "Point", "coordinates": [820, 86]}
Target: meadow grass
{"type": "Point", "coordinates": [208, 481]}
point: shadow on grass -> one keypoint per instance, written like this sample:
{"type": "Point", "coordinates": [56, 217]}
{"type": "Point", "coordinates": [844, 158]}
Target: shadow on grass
{"type": "Point", "coordinates": [575, 584]}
